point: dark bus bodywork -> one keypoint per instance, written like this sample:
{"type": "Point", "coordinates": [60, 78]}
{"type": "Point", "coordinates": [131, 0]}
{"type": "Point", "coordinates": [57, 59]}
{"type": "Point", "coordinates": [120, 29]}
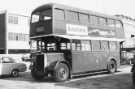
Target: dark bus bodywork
{"type": "Point", "coordinates": [71, 41]}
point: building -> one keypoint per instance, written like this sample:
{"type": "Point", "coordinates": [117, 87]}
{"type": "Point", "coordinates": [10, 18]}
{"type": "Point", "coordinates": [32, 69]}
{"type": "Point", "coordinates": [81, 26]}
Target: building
{"type": "Point", "coordinates": [14, 33]}
{"type": "Point", "coordinates": [128, 46]}
{"type": "Point", "coordinates": [129, 30]}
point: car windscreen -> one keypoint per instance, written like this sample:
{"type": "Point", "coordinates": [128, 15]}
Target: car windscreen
{"type": "Point", "coordinates": [8, 60]}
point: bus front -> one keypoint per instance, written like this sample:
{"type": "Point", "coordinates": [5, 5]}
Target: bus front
{"type": "Point", "coordinates": [45, 50]}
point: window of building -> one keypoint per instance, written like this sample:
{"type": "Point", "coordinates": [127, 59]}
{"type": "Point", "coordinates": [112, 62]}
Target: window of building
{"type": "Point", "coordinates": [84, 18]}
{"type": "Point", "coordinates": [13, 19]}
{"type": "Point", "coordinates": [71, 16]}
{"type": "Point", "coordinates": [59, 14]}
{"type": "Point", "coordinates": [95, 45]}
{"type": "Point", "coordinates": [10, 36]}
{"type": "Point", "coordinates": [18, 36]}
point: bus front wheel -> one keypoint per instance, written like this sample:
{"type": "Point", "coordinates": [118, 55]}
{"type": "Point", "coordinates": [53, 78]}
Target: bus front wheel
{"type": "Point", "coordinates": [61, 72]}
{"type": "Point", "coordinates": [112, 66]}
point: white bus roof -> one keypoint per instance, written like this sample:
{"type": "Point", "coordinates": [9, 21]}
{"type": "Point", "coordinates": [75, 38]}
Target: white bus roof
{"type": "Point", "coordinates": [81, 37]}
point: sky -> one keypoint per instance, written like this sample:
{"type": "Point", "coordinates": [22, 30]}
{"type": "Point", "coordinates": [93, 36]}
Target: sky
{"type": "Point", "coordinates": [111, 7]}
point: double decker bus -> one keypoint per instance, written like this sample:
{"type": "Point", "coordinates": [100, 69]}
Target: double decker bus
{"type": "Point", "coordinates": [67, 41]}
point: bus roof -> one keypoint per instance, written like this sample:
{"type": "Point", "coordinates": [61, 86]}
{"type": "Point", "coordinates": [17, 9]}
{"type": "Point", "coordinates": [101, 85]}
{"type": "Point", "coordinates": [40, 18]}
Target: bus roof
{"type": "Point", "coordinates": [80, 37]}
{"type": "Point", "coordinates": [64, 7]}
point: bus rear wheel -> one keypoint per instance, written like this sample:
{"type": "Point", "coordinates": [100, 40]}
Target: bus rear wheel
{"type": "Point", "coordinates": [61, 72]}
{"type": "Point", "coordinates": [112, 66]}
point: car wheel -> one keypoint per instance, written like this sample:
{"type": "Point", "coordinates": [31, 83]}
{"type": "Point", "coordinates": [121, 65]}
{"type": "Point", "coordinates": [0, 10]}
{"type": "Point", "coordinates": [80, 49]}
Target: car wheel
{"type": "Point", "coordinates": [15, 73]}
{"type": "Point", "coordinates": [61, 72]}
{"type": "Point", "coordinates": [112, 67]}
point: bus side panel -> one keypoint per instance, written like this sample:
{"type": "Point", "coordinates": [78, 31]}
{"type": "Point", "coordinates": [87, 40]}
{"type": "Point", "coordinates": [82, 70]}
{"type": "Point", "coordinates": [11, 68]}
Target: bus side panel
{"type": "Point", "coordinates": [101, 59]}
{"type": "Point", "coordinates": [116, 53]}
{"type": "Point", "coordinates": [108, 54]}
{"type": "Point", "coordinates": [83, 61]}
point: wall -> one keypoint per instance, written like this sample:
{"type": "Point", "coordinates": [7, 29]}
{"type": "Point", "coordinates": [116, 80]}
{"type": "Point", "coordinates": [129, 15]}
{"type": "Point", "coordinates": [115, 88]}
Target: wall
{"type": "Point", "coordinates": [17, 32]}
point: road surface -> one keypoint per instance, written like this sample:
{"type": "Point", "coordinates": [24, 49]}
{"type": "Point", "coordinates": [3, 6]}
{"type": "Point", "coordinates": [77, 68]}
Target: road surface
{"type": "Point", "coordinates": [119, 80]}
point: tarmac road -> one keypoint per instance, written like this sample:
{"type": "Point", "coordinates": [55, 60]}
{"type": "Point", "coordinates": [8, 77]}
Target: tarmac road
{"type": "Point", "coordinates": [119, 80]}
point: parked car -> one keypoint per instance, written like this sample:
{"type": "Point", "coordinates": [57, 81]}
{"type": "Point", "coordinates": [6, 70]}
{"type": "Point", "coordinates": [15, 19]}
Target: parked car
{"type": "Point", "coordinates": [8, 66]}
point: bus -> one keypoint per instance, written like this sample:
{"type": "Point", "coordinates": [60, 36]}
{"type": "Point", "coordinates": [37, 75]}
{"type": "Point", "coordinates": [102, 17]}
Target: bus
{"type": "Point", "coordinates": [67, 42]}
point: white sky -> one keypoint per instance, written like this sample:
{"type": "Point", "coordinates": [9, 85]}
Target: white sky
{"type": "Point", "coordinates": [112, 7]}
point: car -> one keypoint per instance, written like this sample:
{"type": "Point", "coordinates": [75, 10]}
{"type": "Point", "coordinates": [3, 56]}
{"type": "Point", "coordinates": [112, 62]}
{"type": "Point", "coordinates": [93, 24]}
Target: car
{"type": "Point", "coordinates": [8, 66]}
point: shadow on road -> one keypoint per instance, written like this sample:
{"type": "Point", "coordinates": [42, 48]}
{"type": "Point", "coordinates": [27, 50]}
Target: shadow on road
{"type": "Point", "coordinates": [120, 81]}
{"type": "Point", "coordinates": [26, 76]}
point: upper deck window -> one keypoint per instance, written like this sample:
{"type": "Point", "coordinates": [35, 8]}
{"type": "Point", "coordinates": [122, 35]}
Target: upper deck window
{"type": "Point", "coordinates": [93, 20]}
{"type": "Point", "coordinates": [42, 16]}
{"type": "Point", "coordinates": [111, 23]}
{"type": "Point", "coordinates": [84, 18]}
{"type": "Point", "coordinates": [102, 21]}
{"type": "Point", "coordinates": [59, 14]}
{"type": "Point", "coordinates": [71, 16]}
{"type": "Point", "coordinates": [118, 24]}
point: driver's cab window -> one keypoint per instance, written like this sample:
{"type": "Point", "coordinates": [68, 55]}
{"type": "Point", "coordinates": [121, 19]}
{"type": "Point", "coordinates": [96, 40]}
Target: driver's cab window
{"type": "Point", "coordinates": [40, 45]}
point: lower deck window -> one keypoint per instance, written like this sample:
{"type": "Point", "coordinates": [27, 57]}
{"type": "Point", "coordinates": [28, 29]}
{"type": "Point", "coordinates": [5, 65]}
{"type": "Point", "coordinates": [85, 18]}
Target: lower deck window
{"type": "Point", "coordinates": [51, 47]}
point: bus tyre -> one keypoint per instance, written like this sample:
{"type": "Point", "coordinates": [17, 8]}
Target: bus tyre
{"type": "Point", "coordinates": [36, 75]}
{"type": "Point", "coordinates": [112, 67]}
{"type": "Point", "coordinates": [61, 72]}
{"type": "Point", "coordinates": [15, 73]}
